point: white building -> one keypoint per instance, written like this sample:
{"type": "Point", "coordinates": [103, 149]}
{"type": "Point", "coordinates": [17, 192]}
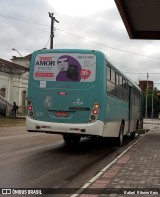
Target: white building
{"type": "Point", "coordinates": [14, 81]}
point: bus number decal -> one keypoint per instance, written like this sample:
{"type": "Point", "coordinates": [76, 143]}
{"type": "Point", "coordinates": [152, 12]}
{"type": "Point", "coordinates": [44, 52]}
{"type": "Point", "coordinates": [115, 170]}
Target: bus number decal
{"type": "Point", "coordinates": [39, 114]}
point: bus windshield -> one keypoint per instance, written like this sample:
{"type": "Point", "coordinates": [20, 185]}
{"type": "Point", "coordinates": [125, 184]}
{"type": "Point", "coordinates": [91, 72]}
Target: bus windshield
{"type": "Point", "coordinates": [73, 67]}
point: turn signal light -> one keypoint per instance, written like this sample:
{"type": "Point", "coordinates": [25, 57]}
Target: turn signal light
{"type": "Point", "coordinates": [96, 105]}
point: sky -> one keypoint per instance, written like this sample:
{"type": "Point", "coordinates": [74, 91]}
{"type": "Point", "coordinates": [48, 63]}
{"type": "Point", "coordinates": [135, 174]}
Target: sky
{"type": "Point", "coordinates": [85, 24]}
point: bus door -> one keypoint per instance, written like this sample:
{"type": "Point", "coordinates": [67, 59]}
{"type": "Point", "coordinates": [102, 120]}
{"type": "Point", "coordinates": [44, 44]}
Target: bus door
{"type": "Point", "coordinates": [130, 108]}
{"type": "Point", "coordinates": [141, 110]}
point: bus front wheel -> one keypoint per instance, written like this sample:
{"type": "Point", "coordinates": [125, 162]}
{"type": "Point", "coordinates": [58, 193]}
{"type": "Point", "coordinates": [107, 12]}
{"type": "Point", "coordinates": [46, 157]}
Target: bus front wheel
{"type": "Point", "coordinates": [71, 139]}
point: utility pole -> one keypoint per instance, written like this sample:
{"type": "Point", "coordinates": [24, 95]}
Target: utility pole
{"type": "Point", "coordinates": [53, 19]}
{"type": "Point", "coordinates": [146, 98]}
{"type": "Point", "coordinates": [152, 103]}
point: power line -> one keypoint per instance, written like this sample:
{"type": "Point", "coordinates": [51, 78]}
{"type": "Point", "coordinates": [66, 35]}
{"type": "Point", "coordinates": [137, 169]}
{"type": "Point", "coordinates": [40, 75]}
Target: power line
{"type": "Point", "coordinates": [141, 73]}
{"type": "Point", "coordinates": [136, 73]}
{"type": "Point", "coordinates": [133, 53]}
{"type": "Point", "coordinates": [17, 19]}
{"type": "Point", "coordinates": [97, 43]}
{"type": "Point", "coordinates": [47, 43]}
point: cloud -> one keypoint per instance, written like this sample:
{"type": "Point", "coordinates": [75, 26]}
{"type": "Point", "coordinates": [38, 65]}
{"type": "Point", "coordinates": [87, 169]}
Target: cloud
{"type": "Point", "coordinates": [101, 30]}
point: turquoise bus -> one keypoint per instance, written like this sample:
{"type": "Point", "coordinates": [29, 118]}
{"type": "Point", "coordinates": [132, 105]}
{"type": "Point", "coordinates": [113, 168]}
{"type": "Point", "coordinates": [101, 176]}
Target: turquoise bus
{"type": "Point", "coordinates": [79, 93]}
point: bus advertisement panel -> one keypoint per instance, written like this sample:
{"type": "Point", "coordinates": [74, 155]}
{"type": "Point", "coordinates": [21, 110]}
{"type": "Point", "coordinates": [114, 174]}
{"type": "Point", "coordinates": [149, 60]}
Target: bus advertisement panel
{"type": "Point", "coordinates": [62, 67]}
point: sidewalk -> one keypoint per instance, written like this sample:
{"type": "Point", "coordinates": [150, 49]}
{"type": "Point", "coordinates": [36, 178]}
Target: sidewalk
{"type": "Point", "coordinates": [135, 172]}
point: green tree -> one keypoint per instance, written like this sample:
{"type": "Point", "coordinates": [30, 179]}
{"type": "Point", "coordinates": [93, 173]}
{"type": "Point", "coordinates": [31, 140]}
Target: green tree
{"type": "Point", "coordinates": [156, 103]}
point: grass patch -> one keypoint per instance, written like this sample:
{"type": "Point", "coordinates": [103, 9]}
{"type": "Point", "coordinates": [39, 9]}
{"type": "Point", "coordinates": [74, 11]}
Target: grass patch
{"type": "Point", "coordinates": [12, 121]}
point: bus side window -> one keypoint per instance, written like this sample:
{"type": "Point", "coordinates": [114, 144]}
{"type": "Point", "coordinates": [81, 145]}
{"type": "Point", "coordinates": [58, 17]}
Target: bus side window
{"type": "Point", "coordinates": [111, 87]}
{"type": "Point", "coordinates": [113, 77]}
{"type": "Point", "coordinates": [120, 87]}
{"type": "Point", "coordinates": [108, 73]}
{"type": "Point", "coordinates": [136, 97]}
{"type": "Point", "coordinates": [117, 84]}
{"type": "Point", "coordinates": [117, 79]}
{"type": "Point", "coordinates": [133, 96]}
{"type": "Point", "coordinates": [125, 90]}
{"type": "Point", "coordinates": [139, 99]}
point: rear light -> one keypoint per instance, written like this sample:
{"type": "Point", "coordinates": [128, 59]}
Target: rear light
{"type": "Point", "coordinates": [94, 113]}
{"type": "Point", "coordinates": [30, 109]}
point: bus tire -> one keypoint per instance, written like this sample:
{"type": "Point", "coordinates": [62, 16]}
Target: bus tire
{"type": "Point", "coordinates": [138, 127]}
{"type": "Point", "coordinates": [121, 137]}
{"type": "Point", "coordinates": [132, 135]}
{"type": "Point", "coordinates": [71, 139]}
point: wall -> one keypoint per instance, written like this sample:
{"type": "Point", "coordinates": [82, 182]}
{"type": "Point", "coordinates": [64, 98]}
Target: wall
{"type": "Point", "coordinates": [15, 87]}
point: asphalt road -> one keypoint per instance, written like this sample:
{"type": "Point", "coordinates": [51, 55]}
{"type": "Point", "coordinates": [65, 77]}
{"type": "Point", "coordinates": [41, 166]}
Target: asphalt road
{"type": "Point", "coordinates": [31, 160]}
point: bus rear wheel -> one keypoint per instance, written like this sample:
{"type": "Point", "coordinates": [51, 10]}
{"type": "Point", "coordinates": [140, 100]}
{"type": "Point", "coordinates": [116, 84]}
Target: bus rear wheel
{"type": "Point", "coordinates": [121, 137]}
{"type": "Point", "coordinates": [71, 139]}
{"type": "Point", "coordinates": [133, 134]}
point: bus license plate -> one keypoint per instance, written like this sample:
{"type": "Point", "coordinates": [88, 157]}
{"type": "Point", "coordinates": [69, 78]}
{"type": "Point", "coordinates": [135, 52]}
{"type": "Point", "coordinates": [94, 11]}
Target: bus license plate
{"type": "Point", "coordinates": [62, 114]}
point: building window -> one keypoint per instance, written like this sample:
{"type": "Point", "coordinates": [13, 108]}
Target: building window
{"type": "Point", "coordinates": [3, 92]}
